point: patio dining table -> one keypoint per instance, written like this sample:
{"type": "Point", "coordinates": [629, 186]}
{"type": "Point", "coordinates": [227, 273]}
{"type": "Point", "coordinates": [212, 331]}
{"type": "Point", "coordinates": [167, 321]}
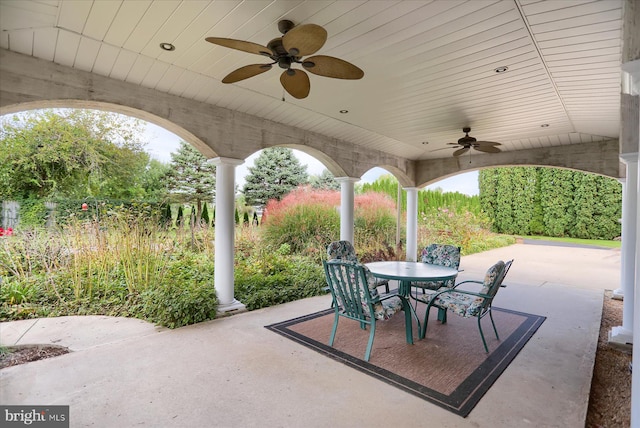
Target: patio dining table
{"type": "Point", "coordinates": [407, 272]}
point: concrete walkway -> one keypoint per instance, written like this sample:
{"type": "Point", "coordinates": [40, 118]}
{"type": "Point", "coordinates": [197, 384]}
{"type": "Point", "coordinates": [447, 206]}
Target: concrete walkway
{"type": "Point", "coordinates": [232, 372]}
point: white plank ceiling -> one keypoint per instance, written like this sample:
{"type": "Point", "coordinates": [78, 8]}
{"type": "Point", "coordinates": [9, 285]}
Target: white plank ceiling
{"type": "Point", "coordinates": [429, 65]}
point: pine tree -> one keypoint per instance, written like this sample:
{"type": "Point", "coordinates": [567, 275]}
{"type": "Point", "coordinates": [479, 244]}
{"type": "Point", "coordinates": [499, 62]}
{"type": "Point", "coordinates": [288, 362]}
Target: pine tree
{"type": "Point", "coordinates": [324, 181]}
{"type": "Point", "coordinates": [191, 177]}
{"type": "Point", "coordinates": [166, 219]}
{"type": "Point", "coordinates": [205, 215]}
{"type": "Point", "coordinates": [245, 219]}
{"type": "Point", "coordinates": [236, 216]}
{"type": "Point", "coordinates": [275, 173]}
{"type": "Point", "coordinates": [180, 217]}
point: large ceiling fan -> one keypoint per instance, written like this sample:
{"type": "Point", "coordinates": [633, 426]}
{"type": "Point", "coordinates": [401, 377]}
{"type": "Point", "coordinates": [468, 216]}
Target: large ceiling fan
{"type": "Point", "coordinates": [465, 143]}
{"type": "Point", "coordinates": [295, 43]}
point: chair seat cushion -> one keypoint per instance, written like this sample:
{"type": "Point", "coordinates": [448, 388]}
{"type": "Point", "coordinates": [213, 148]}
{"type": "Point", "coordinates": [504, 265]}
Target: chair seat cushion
{"type": "Point", "coordinates": [387, 308]}
{"type": "Point", "coordinates": [433, 285]}
{"type": "Point", "coordinates": [462, 304]}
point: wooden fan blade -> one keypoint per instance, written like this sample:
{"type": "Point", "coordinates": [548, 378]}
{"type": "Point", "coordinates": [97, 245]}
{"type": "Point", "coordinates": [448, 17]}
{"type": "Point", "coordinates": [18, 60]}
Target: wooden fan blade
{"type": "Point", "coordinates": [487, 149]}
{"type": "Point", "coordinates": [296, 83]}
{"type": "Point", "coordinates": [487, 143]}
{"type": "Point", "coordinates": [304, 39]}
{"type": "Point", "coordinates": [329, 66]}
{"type": "Point", "coordinates": [240, 45]}
{"type": "Point", "coordinates": [461, 151]}
{"type": "Point", "coordinates": [246, 72]}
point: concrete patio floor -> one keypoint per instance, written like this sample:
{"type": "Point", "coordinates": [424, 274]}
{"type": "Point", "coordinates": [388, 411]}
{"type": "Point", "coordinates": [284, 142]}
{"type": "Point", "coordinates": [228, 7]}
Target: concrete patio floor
{"type": "Point", "coordinates": [232, 372]}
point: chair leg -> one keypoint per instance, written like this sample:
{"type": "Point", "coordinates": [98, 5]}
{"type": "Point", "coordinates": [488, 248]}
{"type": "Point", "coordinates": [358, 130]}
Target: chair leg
{"type": "Point", "coordinates": [406, 308]}
{"type": "Point", "coordinates": [333, 330]}
{"type": "Point", "coordinates": [367, 354]}
{"type": "Point", "coordinates": [484, 342]}
{"type": "Point", "coordinates": [494, 324]}
{"type": "Point", "coordinates": [423, 330]}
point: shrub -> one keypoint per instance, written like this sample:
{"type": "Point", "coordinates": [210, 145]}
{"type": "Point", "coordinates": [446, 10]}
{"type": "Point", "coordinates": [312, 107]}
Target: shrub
{"type": "Point", "coordinates": [186, 294]}
{"type": "Point", "coordinates": [273, 277]}
{"type": "Point", "coordinates": [304, 219]}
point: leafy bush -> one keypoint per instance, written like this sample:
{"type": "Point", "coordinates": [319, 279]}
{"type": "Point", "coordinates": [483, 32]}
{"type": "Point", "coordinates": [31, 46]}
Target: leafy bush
{"type": "Point", "coordinates": [186, 294]}
{"type": "Point", "coordinates": [304, 219]}
{"type": "Point", "coordinates": [273, 277]}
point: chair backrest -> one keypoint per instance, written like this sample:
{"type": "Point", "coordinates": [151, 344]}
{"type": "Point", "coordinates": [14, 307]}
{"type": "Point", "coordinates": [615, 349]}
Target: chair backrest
{"type": "Point", "coordinates": [442, 255]}
{"type": "Point", "coordinates": [352, 287]}
{"type": "Point", "coordinates": [492, 280]}
{"type": "Point", "coordinates": [507, 266]}
{"type": "Point", "coordinates": [341, 250]}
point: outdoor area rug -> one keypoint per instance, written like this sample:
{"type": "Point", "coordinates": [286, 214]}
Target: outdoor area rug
{"type": "Point", "coordinates": [448, 368]}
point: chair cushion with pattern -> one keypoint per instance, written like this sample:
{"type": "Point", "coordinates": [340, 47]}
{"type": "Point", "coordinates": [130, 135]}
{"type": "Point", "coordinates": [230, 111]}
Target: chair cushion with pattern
{"type": "Point", "coordinates": [341, 250]}
{"type": "Point", "coordinates": [442, 255]}
{"type": "Point", "coordinates": [461, 304]}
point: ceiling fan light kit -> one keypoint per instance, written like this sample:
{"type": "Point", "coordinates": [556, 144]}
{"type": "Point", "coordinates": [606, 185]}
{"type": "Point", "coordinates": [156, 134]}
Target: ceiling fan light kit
{"type": "Point", "coordinates": [295, 43]}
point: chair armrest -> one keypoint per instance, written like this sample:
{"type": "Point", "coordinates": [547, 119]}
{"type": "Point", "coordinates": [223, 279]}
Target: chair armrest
{"type": "Point", "coordinates": [453, 290]}
{"type": "Point", "coordinates": [470, 281]}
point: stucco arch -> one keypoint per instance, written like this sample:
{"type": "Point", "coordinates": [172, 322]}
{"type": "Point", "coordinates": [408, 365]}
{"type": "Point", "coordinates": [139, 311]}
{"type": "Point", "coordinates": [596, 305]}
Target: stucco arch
{"type": "Point", "coordinates": [599, 158]}
{"type": "Point", "coordinates": [218, 132]}
{"type": "Point", "coordinates": [181, 132]}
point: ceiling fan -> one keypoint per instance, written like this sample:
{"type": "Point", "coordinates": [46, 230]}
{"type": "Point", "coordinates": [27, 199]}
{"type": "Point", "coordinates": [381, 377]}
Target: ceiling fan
{"type": "Point", "coordinates": [465, 143]}
{"type": "Point", "coordinates": [287, 50]}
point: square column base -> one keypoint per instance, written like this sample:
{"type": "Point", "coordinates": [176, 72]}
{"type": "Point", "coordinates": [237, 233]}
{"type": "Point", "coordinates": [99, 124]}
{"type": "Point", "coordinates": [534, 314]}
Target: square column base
{"type": "Point", "coordinates": [235, 307]}
{"type": "Point", "coordinates": [618, 294]}
{"type": "Point", "coordinates": [621, 339]}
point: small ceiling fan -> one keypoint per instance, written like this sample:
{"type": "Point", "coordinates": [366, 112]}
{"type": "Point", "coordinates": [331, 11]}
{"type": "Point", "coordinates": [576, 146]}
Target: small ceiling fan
{"type": "Point", "coordinates": [465, 143]}
{"type": "Point", "coordinates": [295, 43]}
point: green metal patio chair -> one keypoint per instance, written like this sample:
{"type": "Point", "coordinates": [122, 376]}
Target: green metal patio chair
{"type": "Point", "coordinates": [441, 255]}
{"type": "Point", "coordinates": [343, 250]}
{"type": "Point", "coordinates": [469, 304]}
{"type": "Point", "coordinates": [355, 296]}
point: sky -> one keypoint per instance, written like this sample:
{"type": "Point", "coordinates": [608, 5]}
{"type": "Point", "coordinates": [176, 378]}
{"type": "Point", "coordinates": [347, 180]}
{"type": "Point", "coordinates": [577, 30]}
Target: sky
{"type": "Point", "coordinates": [162, 142]}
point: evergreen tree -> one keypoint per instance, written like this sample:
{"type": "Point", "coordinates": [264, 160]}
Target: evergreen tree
{"type": "Point", "coordinates": [180, 217]}
{"type": "Point", "coordinates": [255, 219]}
{"type": "Point", "coordinates": [551, 202]}
{"type": "Point", "coordinates": [205, 215]}
{"type": "Point", "coordinates": [166, 219]}
{"type": "Point", "coordinates": [324, 181]}
{"type": "Point", "coordinates": [236, 216]}
{"type": "Point", "coordinates": [191, 178]}
{"type": "Point", "coordinates": [274, 174]}
{"type": "Point", "coordinates": [245, 219]}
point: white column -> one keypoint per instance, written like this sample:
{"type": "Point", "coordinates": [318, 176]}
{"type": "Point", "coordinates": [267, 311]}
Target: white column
{"type": "Point", "coordinates": [618, 293]}
{"type": "Point", "coordinates": [624, 334]}
{"type": "Point", "coordinates": [347, 196]}
{"type": "Point", "coordinates": [412, 223]}
{"type": "Point", "coordinates": [635, 378]}
{"type": "Point", "coordinates": [225, 233]}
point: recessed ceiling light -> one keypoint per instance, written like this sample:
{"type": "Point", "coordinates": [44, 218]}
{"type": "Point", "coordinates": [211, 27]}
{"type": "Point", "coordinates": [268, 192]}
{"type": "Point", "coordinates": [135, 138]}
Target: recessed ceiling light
{"type": "Point", "coordinates": [544, 125]}
{"type": "Point", "coordinates": [167, 47]}
{"type": "Point", "coordinates": [344, 111]}
{"type": "Point", "coordinates": [502, 69]}
{"type": "Point", "coordinates": [425, 142]}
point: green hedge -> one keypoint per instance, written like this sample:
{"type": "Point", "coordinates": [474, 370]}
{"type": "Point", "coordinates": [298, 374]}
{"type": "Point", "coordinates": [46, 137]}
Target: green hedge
{"type": "Point", "coordinates": [551, 202]}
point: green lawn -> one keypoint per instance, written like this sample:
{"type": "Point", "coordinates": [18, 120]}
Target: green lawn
{"type": "Point", "coordinates": [594, 242]}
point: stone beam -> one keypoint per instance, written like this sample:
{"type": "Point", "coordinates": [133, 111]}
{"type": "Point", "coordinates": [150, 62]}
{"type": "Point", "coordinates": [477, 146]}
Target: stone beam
{"type": "Point", "coordinates": [599, 158]}
{"type": "Point", "coordinates": [30, 83]}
